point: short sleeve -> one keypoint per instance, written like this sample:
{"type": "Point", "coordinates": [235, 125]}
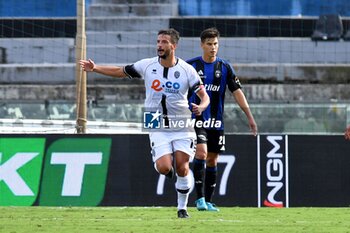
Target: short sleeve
{"type": "Point", "coordinates": [195, 81]}
{"type": "Point", "coordinates": [131, 72]}
{"type": "Point", "coordinates": [137, 69]}
{"type": "Point", "coordinates": [233, 82]}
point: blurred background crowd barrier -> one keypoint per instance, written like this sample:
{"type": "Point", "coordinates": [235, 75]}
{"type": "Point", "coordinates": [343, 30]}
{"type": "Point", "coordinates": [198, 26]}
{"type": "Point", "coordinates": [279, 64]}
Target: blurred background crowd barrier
{"type": "Point", "coordinates": [292, 57]}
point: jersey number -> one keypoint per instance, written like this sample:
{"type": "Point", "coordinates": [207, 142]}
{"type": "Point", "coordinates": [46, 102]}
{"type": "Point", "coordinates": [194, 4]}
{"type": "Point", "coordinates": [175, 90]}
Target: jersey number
{"type": "Point", "coordinates": [222, 140]}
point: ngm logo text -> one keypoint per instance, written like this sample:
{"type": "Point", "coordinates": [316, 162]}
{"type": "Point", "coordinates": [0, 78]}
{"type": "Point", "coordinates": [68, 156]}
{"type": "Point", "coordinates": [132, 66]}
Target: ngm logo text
{"type": "Point", "coordinates": [274, 166]}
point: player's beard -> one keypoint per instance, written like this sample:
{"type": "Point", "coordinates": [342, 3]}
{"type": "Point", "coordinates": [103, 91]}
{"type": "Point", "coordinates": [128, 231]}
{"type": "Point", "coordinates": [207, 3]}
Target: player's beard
{"type": "Point", "coordinates": [165, 55]}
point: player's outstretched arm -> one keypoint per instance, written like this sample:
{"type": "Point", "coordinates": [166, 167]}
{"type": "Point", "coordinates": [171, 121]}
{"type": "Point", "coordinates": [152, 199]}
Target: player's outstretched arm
{"type": "Point", "coordinates": [243, 104]}
{"type": "Point", "coordinates": [113, 71]}
{"type": "Point", "coordinates": [347, 133]}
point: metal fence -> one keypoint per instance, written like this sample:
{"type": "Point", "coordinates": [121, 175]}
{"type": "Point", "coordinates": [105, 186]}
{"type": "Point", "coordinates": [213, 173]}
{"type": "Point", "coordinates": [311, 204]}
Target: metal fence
{"type": "Point", "coordinates": [305, 118]}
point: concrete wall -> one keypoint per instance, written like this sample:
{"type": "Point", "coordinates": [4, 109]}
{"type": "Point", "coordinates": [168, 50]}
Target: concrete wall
{"type": "Point", "coordinates": [35, 73]}
{"type": "Point", "coordinates": [64, 73]}
{"type": "Point", "coordinates": [273, 50]}
{"type": "Point", "coordinates": [36, 50]}
{"type": "Point", "coordinates": [45, 60]}
{"type": "Point", "coordinates": [120, 47]}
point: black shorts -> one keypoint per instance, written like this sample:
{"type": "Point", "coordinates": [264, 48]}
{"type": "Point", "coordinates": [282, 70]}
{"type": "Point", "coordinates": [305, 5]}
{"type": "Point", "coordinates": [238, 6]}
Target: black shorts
{"type": "Point", "coordinates": [215, 139]}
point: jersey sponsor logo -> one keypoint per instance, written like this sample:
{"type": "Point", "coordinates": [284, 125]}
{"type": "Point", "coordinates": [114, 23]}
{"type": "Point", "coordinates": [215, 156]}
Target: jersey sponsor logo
{"type": "Point", "coordinates": [156, 85]}
{"type": "Point", "coordinates": [211, 87]}
{"type": "Point", "coordinates": [169, 87]}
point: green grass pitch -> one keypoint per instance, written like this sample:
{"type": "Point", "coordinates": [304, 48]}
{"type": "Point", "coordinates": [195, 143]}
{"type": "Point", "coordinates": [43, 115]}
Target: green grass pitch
{"type": "Point", "coordinates": [164, 220]}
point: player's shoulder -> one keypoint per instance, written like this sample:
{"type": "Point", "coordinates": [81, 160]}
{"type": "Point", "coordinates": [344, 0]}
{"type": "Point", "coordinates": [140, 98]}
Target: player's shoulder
{"type": "Point", "coordinates": [226, 63]}
{"type": "Point", "coordinates": [147, 63]}
{"type": "Point", "coordinates": [193, 60]}
{"type": "Point", "coordinates": [184, 64]}
{"type": "Point", "coordinates": [150, 60]}
{"type": "Point", "coordinates": [223, 61]}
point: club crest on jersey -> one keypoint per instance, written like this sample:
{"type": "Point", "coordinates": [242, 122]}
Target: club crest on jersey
{"type": "Point", "coordinates": [177, 74]}
{"type": "Point", "coordinates": [217, 73]}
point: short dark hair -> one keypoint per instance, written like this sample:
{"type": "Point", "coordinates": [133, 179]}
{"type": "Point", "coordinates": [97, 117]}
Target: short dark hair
{"type": "Point", "coordinates": [174, 35]}
{"type": "Point", "coordinates": [209, 33]}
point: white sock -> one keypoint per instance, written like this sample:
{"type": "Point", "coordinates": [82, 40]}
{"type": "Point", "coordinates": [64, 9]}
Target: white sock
{"type": "Point", "coordinates": [183, 186]}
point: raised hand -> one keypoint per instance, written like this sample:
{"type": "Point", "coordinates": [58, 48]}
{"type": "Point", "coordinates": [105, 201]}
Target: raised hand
{"type": "Point", "coordinates": [87, 65]}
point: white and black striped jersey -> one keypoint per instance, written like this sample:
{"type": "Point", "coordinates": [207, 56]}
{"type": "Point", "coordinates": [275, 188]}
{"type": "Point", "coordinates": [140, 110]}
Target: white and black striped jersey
{"type": "Point", "coordinates": [166, 88]}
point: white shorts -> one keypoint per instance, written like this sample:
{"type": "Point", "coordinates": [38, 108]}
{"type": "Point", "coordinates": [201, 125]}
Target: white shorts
{"type": "Point", "coordinates": [163, 143]}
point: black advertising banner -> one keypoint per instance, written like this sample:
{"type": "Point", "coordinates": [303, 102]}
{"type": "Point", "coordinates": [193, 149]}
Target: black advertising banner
{"type": "Point", "coordinates": [319, 171]}
{"type": "Point", "coordinates": [117, 170]}
{"type": "Point", "coordinates": [263, 171]}
{"type": "Point", "coordinates": [132, 180]}
{"type": "Point", "coordinates": [241, 185]}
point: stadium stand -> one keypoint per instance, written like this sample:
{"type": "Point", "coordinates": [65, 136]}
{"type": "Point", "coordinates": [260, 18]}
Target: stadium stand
{"type": "Point", "coordinates": [124, 32]}
{"type": "Point", "coordinates": [328, 27]}
{"type": "Point", "coordinates": [347, 36]}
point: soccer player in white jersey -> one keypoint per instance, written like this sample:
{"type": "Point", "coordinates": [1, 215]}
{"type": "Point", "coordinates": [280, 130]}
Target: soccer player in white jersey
{"type": "Point", "coordinates": [167, 80]}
